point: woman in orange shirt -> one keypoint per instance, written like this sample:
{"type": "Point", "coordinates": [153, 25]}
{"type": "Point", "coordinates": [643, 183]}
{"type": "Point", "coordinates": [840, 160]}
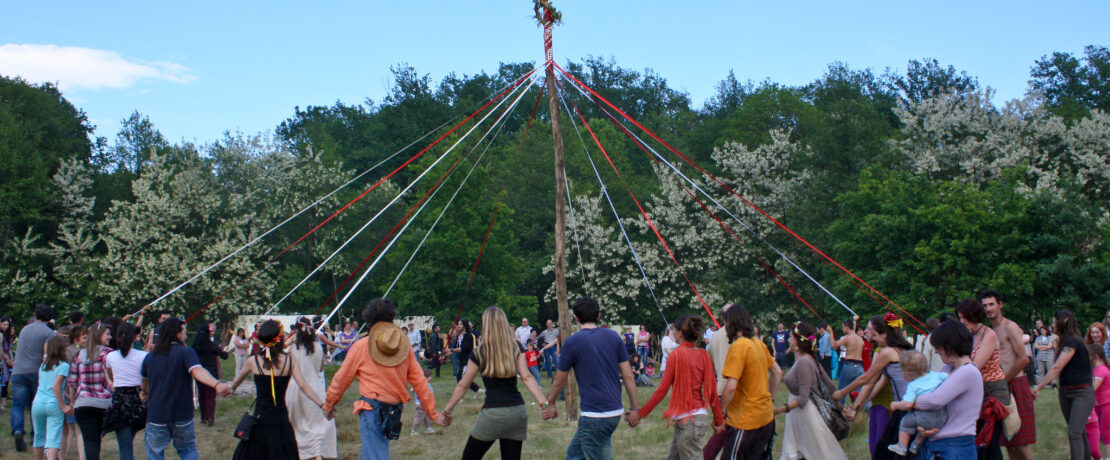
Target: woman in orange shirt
{"type": "Point", "coordinates": [690, 372]}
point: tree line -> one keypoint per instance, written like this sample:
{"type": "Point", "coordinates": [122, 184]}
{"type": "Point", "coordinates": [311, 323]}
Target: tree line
{"type": "Point", "coordinates": [914, 179]}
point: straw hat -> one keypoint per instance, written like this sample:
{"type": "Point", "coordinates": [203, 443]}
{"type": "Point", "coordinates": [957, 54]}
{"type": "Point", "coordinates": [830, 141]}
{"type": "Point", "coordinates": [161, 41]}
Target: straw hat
{"type": "Point", "coordinates": [388, 344]}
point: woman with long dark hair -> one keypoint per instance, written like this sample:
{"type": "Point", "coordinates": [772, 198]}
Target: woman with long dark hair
{"type": "Point", "coordinates": [806, 434]}
{"type": "Point", "coordinates": [1073, 367]}
{"type": "Point", "coordinates": [7, 339]}
{"type": "Point", "coordinates": [127, 412]}
{"type": "Point", "coordinates": [316, 437]}
{"type": "Point", "coordinates": [504, 417]}
{"type": "Point", "coordinates": [464, 347]}
{"type": "Point", "coordinates": [272, 437]}
{"type": "Point", "coordinates": [209, 353]}
{"type": "Point", "coordinates": [885, 332]}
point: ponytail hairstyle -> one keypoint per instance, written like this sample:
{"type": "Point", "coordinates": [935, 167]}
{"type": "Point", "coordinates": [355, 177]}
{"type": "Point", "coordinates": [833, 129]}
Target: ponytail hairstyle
{"type": "Point", "coordinates": [1066, 326]}
{"type": "Point", "coordinates": [306, 335]}
{"type": "Point", "coordinates": [690, 328]}
{"type": "Point", "coordinates": [890, 325]}
{"type": "Point", "coordinates": [271, 338]}
{"type": "Point", "coordinates": [806, 337]}
{"type": "Point", "coordinates": [126, 337]}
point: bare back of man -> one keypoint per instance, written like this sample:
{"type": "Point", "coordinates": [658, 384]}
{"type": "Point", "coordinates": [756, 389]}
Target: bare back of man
{"type": "Point", "coordinates": [853, 346]}
{"type": "Point", "coordinates": [1012, 353]}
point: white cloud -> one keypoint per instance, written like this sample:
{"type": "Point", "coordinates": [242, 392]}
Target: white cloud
{"type": "Point", "coordinates": [85, 68]}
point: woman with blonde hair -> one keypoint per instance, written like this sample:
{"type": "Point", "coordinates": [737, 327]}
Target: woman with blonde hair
{"type": "Point", "coordinates": [500, 359]}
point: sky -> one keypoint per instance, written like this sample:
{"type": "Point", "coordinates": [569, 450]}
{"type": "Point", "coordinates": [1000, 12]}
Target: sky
{"type": "Point", "coordinates": [201, 68]}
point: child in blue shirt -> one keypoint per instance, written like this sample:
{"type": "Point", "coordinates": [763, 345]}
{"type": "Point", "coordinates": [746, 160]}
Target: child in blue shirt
{"type": "Point", "coordinates": [49, 409]}
{"type": "Point", "coordinates": [915, 368]}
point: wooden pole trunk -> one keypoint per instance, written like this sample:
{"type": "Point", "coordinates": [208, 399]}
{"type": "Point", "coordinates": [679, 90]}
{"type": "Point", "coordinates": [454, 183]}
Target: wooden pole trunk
{"type": "Point", "coordinates": [565, 322]}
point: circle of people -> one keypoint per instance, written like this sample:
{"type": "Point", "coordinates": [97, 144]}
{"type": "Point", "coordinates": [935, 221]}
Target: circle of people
{"type": "Point", "coordinates": [964, 390]}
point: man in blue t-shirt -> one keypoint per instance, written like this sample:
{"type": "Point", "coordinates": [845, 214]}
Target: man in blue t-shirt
{"type": "Point", "coordinates": [168, 373]}
{"type": "Point", "coordinates": [780, 338]}
{"type": "Point", "coordinates": [600, 362]}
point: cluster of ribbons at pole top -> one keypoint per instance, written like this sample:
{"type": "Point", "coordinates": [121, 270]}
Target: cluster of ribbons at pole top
{"type": "Point", "coordinates": [486, 123]}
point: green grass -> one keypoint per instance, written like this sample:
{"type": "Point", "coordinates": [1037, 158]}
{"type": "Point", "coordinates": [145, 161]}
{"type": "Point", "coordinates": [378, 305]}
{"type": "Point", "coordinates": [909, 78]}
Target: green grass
{"type": "Point", "coordinates": [546, 440]}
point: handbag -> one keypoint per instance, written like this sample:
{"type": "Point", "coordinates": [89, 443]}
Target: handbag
{"type": "Point", "coordinates": [246, 424]}
{"type": "Point", "coordinates": [821, 397]}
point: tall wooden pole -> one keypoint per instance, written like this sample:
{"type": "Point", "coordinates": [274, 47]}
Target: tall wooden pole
{"type": "Point", "coordinates": [565, 322]}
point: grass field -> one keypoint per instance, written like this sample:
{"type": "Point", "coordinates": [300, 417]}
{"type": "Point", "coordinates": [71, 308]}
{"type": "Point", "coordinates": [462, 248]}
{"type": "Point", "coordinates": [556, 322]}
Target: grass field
{"type": "Point", "coordinates": [546, 440]}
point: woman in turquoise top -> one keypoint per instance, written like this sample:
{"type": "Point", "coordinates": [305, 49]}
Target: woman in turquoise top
{"type": "Point", "coordinates": [49, 409]}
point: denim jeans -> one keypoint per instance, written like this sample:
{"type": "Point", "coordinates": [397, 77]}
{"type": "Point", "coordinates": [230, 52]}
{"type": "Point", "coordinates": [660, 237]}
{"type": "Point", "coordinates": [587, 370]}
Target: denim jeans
{"type": "Point", "coordinates": [594, 439]}
{"type": "Point", "coordinates": [159, 435]}
{"type": "Point", "coordinates": [125, 437]}
{"type": "Point", "coordinates": [24, 387]}
{"type": "Point", "coordinates": [374, 444]}
{"type": "Point", "coordinates": [643, 352]}
{"type": "Point", "coordinates": [550, 361]}
{"type": "Point", "coordinates": [957, 448]}
{"type": "Point", "coordinates": [535, 370]}
{"type": "Point", "coordinates": [849, 372]}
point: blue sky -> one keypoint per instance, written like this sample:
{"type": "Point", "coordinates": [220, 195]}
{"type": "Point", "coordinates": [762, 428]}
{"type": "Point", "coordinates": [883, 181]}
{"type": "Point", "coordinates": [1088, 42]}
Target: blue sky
{"type": "Point", "coordinates": [200, 68]}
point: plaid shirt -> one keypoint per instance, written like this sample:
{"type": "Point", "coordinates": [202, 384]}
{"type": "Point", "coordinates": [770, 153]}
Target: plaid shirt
{"type": "Point", "coordinates": [90, 378]}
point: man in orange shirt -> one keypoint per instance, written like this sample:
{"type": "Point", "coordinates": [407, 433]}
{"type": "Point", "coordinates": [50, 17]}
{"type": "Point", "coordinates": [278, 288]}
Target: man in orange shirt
{"type": "Point", "coordinates": [751, 378]}
{"type": "Point", "coordinates": [385, 366]}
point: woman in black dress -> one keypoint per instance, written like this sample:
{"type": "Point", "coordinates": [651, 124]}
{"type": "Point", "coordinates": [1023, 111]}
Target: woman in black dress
{"type": "Point", "coordinates": [272, 437]}
{"type": "Point", "coordinates": [209, 353]}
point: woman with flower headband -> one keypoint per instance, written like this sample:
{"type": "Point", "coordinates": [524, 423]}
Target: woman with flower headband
{"type": "Point", "coordinates": [272, 436]}
{"type": "Point", "coordinates": [806, 435]}
{"type": "Point", "coordinates": [885, 332]}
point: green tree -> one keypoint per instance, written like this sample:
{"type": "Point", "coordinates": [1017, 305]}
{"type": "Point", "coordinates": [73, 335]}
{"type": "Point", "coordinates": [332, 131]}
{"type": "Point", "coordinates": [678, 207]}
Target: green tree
{"type": "Point", "coordinates": [1071, 88]}
{"type": "Point", "coordinates": [39, 129]}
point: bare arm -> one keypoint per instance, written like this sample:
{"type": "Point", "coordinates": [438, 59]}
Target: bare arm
{"type": "Point", "coordinates": [59, 382]}
{"type": "Point", "coordinates": [775, 379]}
{"type": "Point", "coordinates": [201, 375]}
{"type": "Point", "coordinates": [303, 383]}
{"type": "Point", "coordinates": [1065, 356]}
{"type": "Point", "coordinates": [557, 385]}
{"type": "Point", "coordinates": [243, 373]}
{"type": "Point", "coordinates": [630, 384]}
{"type": "Point", "coordinates": [463, 385]}
{"type": "Point", "coordinates": [529, 381]}
{"type": "Point", "coordinates": [986, 349]}
{"type": "Point", "coordinates": [1021, 359]}
{"type": "Point", "coordinates": [881, 360]}
{"type": "Point", "coordinates": [730, 391]}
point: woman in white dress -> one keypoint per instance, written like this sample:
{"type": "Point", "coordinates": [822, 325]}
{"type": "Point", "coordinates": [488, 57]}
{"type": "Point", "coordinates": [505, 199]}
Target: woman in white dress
{"type": "Point", "coordinates": [667, 344]}
{"type": "Point", "coordinates": [315, 433]}
{"type": "Point", "coordinates": [806, 434]}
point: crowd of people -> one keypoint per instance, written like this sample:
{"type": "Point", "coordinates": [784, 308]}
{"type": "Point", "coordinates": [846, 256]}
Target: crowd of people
{"type": "Point", "coordinates": [964, 389]}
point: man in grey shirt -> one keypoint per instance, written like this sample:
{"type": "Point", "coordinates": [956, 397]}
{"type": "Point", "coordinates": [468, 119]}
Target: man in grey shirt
{"type": "Point", "coordinates": [25, 372]}
{"type": "Point", "coordinates": [550, 338]}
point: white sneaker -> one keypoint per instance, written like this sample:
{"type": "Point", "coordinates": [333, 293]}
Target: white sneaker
{"type": "Point", "coordinates": [429, 430]}
{"type": "Point", "coordinates": [414, 433]}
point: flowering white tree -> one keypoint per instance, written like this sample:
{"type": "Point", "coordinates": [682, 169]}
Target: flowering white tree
{"type": "Point", "coordinates": [966, 137]}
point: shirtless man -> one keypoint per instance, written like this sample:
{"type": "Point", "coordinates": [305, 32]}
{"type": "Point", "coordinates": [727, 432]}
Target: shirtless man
{"type": "Point", "coordinates": [1013, 356]}
{"type": "Point", "coordinates": [851, 367]}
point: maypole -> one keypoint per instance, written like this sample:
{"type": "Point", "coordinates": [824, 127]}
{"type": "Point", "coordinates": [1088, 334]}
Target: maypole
{"type": "Point", "coordinates": [548, 17]}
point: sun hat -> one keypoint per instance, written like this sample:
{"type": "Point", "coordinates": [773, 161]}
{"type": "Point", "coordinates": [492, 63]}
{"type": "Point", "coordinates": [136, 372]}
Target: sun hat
{"type": "Point", "coordinates": [388, 344]}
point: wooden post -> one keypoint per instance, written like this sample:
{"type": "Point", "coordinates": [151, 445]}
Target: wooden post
{"type": "Point", "coordinates": [565, 323]}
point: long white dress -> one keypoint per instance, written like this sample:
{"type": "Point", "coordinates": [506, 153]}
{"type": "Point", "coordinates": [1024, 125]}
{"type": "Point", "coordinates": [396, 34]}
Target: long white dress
{"type": "Point", "coordinates": [806, 435]}
{"type": "Point", "coordinates": [315, 433]}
